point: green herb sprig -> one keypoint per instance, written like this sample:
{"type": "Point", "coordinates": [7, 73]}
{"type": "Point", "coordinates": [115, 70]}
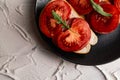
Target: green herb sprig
{"type": "Point", "coordinates": [60, 20]}
{"type": "Point", "coordinates": [99, 9]}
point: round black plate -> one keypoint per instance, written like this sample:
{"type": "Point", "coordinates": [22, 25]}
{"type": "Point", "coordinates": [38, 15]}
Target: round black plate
{"type": "Point", "coordinates": [106, 50]}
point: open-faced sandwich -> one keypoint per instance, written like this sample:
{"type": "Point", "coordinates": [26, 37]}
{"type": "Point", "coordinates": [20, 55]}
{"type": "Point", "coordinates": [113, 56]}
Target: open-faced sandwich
{"type": "Point", "coordinates": [68, 30]}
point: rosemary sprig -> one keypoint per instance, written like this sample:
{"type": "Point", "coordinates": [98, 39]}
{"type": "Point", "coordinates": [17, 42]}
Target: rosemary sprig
{"type": "Point", "coordinates": [99, 9]}
{"type": "Point", "coordinates": [60, 20]}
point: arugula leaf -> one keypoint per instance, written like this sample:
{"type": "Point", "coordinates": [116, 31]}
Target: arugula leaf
{"type": "Point", "coordinates": [59, 20]}
{"type": "Point", "coordinates": [99, 9]}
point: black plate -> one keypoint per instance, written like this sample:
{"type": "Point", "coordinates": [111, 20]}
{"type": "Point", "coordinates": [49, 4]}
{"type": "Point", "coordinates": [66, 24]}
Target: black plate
{"type": "Point", "coordinates": [106, 50]}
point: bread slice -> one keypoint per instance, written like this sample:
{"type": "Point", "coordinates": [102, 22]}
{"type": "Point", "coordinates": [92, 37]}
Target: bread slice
{"type": "Point", "coordinates": [85, 50]}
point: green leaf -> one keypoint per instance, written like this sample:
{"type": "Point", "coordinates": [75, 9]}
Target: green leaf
{"type": "Point", "coordinates": [99, 9]}
{"type": "Point", "coordinates": [59, 20]}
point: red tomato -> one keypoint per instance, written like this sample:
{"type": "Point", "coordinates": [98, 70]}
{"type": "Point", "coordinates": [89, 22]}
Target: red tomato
{"type": "Point", "coordinates": [60, 30]}
{"type": "Point", "coordinates": [75, 38]}
{"type": "Point", "coordinates": [102, 24]}
{"type": "Point", "coordinates": [82, 6]}
{"type": "Point", "coordinates": [46, 22]}
{"type": "Point", "coordinates": [56, 33]}
{"type": "Point", "coordinates": [117, 4]}
{"type": "Point", "coordinates": [119, 19]}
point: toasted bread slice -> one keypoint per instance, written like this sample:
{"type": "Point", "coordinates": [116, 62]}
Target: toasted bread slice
{"type": "Point", "coordinates": [85, 50]}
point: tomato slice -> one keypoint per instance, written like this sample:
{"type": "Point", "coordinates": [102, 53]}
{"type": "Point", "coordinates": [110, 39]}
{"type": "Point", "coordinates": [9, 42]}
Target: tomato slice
{"type": "Point", "coordinates": [117, 4]}
{"type": "Point", "coordinates": [46, 22]}
{"type": "Point", "coordinates": [119, 19]}
{"type": "Point", "coordinates": [75, 38]}
{"type": "Point", "coordinates": [102, 24]}
{"type": "Point", "coordinates": [82, 6]}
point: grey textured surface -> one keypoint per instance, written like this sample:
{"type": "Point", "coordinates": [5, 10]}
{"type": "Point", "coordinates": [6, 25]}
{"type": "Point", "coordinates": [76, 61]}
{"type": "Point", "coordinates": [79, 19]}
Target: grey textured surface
{"type": "Point", "coordinates": [22, 56]}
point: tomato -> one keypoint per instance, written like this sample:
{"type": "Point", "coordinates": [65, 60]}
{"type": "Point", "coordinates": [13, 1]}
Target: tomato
{"type": "Point", "coordinates": [82, 6]}
{"type": "Point", "coordinates": [119, 19]}
{"type": "Point", "coordinates": [56, 33]}
{"type": "Point", "coordinates": [102, 24]}
{"type": "Point", "coordinates": [60, 30]}
{"type": "Point", "coordinates": [117, 4]}
{"type": "Point", "coordinates": [76, 37]}
{"type": "Point", "coordinates": [47, 23]}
